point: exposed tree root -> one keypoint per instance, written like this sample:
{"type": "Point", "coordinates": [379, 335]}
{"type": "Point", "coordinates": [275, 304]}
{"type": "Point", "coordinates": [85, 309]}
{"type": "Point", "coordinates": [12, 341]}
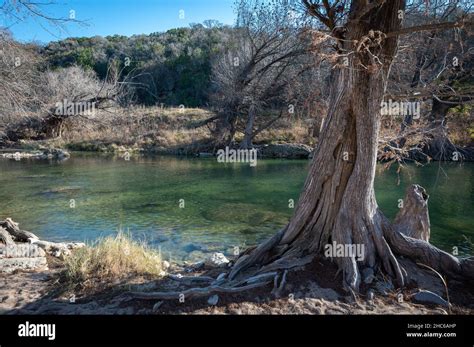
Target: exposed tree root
{"type": "Point", "coordinates": [271, 260]}
{"type": "Point", "coordinates": [428, 254]}
{"type": "Point", "coordinates": [197, 292]}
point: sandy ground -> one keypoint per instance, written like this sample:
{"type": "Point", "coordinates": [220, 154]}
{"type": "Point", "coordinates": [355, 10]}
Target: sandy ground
{"type": "Point", "coordinates": [40, 293]}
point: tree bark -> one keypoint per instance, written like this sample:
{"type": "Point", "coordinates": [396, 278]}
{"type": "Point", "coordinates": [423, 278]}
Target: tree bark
{"type": "Point", "coordinates": [248, 134]}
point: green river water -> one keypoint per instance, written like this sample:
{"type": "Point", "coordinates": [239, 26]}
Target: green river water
{"type": "Point", "coordinates": [225, 205]}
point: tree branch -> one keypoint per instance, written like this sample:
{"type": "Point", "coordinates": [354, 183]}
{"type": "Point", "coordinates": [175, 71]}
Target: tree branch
{"type": "Point", "coordinates": [426, 27]}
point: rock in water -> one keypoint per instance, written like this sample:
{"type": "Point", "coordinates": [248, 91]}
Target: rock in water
{"type": "Point", "coordinates": [427, 297]}
{"type": "Point", "coordinates": [216, 260]}
{"type": "Point", "coordinates": [213, 300]}
{"type": "Point", "coordinates": [205, 155]}
{"type": "Point", "coordinates": [55, 153]}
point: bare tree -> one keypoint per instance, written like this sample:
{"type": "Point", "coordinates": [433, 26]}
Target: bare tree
{"type": "Point", "coordinates": [433, 67]}
{"type": "Point", "coordinates": [267, 56]}
{"type": "Point", "coordinates": [21, 95]}
{"type": "Point", "coordinates": [18, 77]}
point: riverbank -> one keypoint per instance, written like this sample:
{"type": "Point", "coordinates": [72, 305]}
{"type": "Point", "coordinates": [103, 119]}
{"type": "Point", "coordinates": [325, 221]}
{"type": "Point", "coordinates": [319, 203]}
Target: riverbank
{"type": "Point", "coordinates": [96, 279]}
{"type": "Point", "coordinates": [309, 291]}
{"type": "Point", "coordinates": [185, 132]}
{"type": "Point", "coordinates": [157, 130]}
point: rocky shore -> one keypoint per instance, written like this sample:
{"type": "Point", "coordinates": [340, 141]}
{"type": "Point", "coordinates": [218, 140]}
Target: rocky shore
{"type": "Point", "coordinates": [31, 284]}
{"type": "Point", "coordinates": [48, 153]}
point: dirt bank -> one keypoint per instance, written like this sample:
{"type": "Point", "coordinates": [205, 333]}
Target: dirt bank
{"type": "Point", "coordinates": [314, 290]}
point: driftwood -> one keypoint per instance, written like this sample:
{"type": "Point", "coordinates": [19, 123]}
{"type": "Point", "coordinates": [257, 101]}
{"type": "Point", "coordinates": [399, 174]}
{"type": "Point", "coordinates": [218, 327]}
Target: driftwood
{"type": "Point", "coordinates": [10, 233]}
{"type": "Point", "coordinates": [194, 292]}
{"type": "Point", "coordinates": [14, 230]}
{"type": "Point", "coordinates": [5, 237]}
{"type": "Point", "coordinates": [409, 236]}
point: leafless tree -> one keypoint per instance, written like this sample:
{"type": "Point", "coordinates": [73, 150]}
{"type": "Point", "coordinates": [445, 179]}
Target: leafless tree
{"type": "Point", "coordinates": [267, 57]}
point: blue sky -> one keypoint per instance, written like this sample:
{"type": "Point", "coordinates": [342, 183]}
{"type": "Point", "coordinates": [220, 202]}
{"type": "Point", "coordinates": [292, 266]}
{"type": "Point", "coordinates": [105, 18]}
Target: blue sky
{"type": "Point", "coordinates": [123, 17]}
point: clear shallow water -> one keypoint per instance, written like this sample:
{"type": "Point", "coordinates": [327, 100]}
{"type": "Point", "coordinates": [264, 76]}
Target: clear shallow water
{"type": "Point", "coordinates": [225, 205]}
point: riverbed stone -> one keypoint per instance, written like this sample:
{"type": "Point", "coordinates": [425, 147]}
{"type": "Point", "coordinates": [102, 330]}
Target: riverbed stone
{"type": "Point", "coordinates": [217, 260]}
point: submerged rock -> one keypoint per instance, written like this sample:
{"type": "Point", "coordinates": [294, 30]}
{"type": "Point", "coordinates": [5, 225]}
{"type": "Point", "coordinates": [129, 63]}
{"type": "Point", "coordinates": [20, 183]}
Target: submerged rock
{"type": "Point", "coordinates": [49, 153]}
{"type": "Point", "coordinates": [205, 155]}
{"type": "Point", "coordinates": [191, 247]}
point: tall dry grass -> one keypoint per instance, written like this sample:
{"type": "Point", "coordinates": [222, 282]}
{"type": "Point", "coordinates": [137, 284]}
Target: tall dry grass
{"type": "Point", "coordinates": [110, 260]}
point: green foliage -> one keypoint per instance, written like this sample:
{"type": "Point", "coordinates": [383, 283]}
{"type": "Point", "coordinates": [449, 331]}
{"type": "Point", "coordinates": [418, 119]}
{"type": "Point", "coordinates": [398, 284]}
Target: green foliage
{"type": "Point", "coordinates": [173, 67]}
{"type": "Point", "coordinates": [85, 58]}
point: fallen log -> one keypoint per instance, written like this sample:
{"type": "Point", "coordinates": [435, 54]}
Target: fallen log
{"type": "Point", "coordinates": [12, 233]}
{"type": "Point", "coordinates": [15, 231]}
{"type": "Point", "coordinates": [5, 237]}
{"type": "Point", "coordinates": [57, 249]}
{"type": "Point", "coordinates": [194, 292]}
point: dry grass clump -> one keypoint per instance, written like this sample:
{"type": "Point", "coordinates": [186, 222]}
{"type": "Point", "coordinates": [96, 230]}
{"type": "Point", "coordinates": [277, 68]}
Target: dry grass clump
{"type": "Point", "coordinates": [166, 127]}
{"type": "Point", "coordinates": [110, 260]}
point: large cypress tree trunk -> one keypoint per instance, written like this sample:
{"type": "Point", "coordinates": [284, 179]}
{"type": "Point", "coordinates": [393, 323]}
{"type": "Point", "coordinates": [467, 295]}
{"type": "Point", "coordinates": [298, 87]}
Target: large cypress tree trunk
{"type": "Point", "coordinates": [338, 202]}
